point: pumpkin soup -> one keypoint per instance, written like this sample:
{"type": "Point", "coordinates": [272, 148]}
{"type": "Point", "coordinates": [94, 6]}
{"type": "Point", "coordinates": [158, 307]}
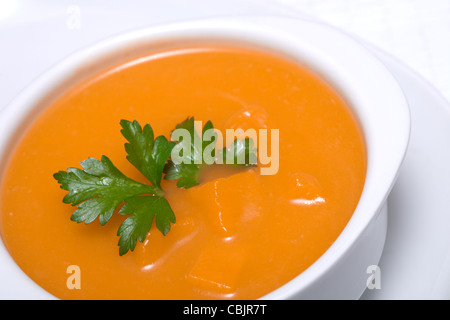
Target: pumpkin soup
{"type": "Point", "coordinates": [238, 234]}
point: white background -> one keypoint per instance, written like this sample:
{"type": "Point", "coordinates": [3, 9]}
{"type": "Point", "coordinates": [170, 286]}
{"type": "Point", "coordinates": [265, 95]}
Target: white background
{"type": "Point", "coordinates": [417, 32]}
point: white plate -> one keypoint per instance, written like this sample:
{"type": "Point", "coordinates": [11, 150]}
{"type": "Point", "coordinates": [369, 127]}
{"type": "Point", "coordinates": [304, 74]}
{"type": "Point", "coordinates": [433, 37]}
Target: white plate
{"type": "Point", "coordinates": [416, 259]}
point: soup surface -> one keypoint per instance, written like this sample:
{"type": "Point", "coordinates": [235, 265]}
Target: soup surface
{"type": "Point", "coordinates": [237, 236]}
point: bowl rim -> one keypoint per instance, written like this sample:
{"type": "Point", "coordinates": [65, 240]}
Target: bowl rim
{"type": "Point", "coordinates": [326, 50]}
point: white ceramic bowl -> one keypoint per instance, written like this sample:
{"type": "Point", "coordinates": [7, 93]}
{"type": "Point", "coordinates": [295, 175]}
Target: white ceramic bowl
{"type": "Point", "coordinates": [371, 91]}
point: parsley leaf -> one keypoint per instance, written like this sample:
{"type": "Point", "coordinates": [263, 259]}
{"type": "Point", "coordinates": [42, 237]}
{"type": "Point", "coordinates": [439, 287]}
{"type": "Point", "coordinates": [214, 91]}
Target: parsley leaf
{"type": "Point", "coordinates": [187, 172]}
{"type": "Point", "coordinates": [241, 153]}
{"type": "Point", "coordinates": [147, 155]}
{"type": "Point", "coordinates": [143, 209]}
{"type": "Point", "coordinates": [98, 189]}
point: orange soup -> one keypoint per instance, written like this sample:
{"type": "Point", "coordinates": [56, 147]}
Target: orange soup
{"type": "Point", "coordinates": [236, 236]}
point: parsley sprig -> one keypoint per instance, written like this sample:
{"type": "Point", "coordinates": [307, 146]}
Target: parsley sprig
{"type": "Point", "coordinates": [100, 188]}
